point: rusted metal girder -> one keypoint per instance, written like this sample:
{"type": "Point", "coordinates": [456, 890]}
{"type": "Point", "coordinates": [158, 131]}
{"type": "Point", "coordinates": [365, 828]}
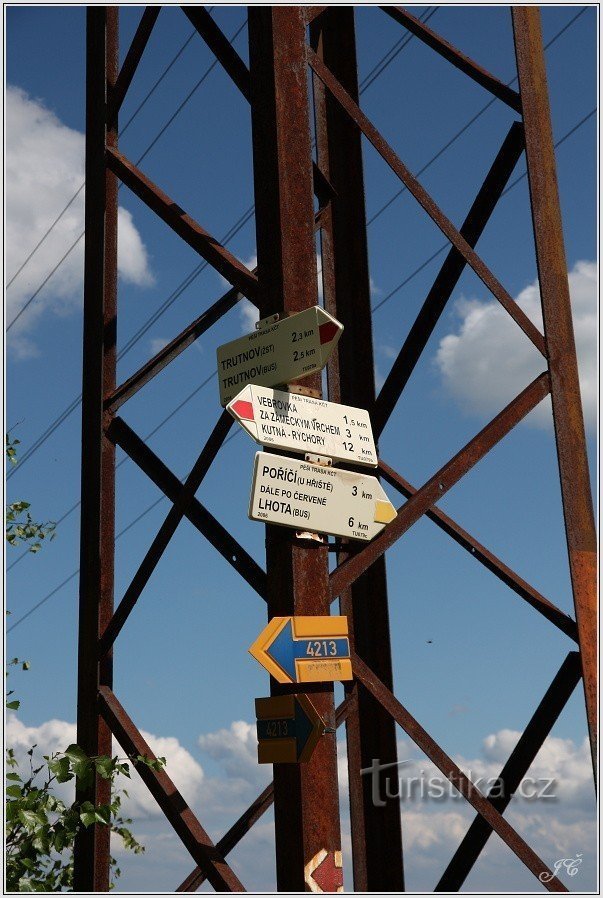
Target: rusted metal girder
{"type": "Point", "coordinates": [186, 227]}
{"type": "Point", "coordinates": [458, 59]}
{"type": "Point", "coordinates": [452, 772]}
{"type": "Point", "coordinates": [297, 579]}
{"type": "Point", "coordinates": [97, 538]}
{"type": "Point", "coordinates": [424, 199]}
{"type": "Point", "coordinates": [172, 350]}
{"type": "Point", "coordinates": [561, 347]}
{"type": "Point", "coordinates": [220, 46]}
{"type": "Point", "coordinates": [167, 530]}
{"type": "Point", "coordinates": [196, 513]}
{"type": "Point", "coordinates": [370, 732]}
{"type": "Point", "coordinates": [517, 766]}
{"type": "Point", "coordinates": [306, 802]}
{"type": "Point", "coordinates": [443, 480]}
{"type": "Point", "coordinates": [229, 840]}
{"type": "Point", "coordinates": [447, 278]}
{"type": "Point", "coordinates": [478, 551]}
{"type": "Point", "coordinates": [193, 836]}
{"type": "Point", "coordinates": [139, 42]}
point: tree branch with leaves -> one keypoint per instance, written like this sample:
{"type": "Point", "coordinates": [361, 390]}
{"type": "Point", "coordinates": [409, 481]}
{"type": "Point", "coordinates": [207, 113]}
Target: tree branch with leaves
{"type": "Point", "coordinates": [40, 826]}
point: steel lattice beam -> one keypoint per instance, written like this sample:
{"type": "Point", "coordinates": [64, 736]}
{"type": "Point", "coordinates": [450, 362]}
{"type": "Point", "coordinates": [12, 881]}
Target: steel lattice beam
{"type": "Point", "coordinates": [370, 733]}
{"type": "Point", "coordinates": [306, 803]}
{"type": "Point", "coordinates": [561, 347]}
{"type": "Point", "coordinates": [97, 537]}
{"type": "Point", "coordinates": [296, 580]}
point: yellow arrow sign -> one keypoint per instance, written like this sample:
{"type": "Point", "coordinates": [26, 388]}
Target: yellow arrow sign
{"type": "Point", "coordinates": [305, 649]}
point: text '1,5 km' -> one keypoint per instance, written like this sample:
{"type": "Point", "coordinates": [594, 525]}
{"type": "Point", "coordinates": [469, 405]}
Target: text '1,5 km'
{"type": "Point", "coordinates": [278, 352]}
{"type": "Point", "coordinates": [284, 420]}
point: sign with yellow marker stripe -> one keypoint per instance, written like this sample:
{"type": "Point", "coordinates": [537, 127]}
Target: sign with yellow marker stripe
{"type": "Point", "coordinates": [305, 649]}
{"type": "Point", "coordinates": [313, 497]}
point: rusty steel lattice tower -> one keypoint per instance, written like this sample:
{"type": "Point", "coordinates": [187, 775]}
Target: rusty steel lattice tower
{"type": "Point", "coordinates": [284, 43]}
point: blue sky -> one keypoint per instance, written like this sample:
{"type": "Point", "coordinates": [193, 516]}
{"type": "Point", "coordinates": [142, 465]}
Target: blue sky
{"type": "Point", "coordinates": [181, 665]}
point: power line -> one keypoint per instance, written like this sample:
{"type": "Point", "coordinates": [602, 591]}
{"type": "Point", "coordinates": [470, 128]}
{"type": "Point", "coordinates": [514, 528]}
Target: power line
{"type": "Point", "coordinates": [41, 241]}
{"type": "Point", "coordinates": [124, 530]}
{"type": "Point", "coordinates": [471, 121]}
{"type": "Point", "coordinates": [126, 458]}
{"type": "Point", "coordinates": [389, 57]}
{"type": "Point", "coordinates": [44, 282]}
{"type": "Point", "coordinates": [245, 217]}
{"type": "Point", "coordinates": [242, 221]}
{"type": "Point", "coordinates": [137, 162]}
{"type": "Point", "coordinates": [121, 133]}
{"type": "Point", "coordinates": [446, 245]}
{"type": "Point", "coordinates": [565, 137]}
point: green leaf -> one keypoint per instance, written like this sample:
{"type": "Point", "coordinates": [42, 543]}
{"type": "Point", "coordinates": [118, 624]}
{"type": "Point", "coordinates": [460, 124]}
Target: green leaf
{"type": "Point", "coordinates": [105, 766]}
{"type": "Point", "coordinates": [14, 705]}
{"type": "Point", "coordinates": [80, 763]}
{"type": "Point", "coordinates": [41, 843]}
{"type": "Point", "coordinates": [14, 791]}
{"type": "Point", "coordinates": [61, 768]}
{"type": "Point", "coordinates": [153, 763]}
{"type": "Point", "coordinates": [60, 838]}
{"type": "Point", "coordinates": [30, 819]}
{"type": "Point", "coordinates": [14, 777]}
{"type": "Point", "coordinates": [103, 814]}
{"type": "Point", "coordinates": [88, 814]}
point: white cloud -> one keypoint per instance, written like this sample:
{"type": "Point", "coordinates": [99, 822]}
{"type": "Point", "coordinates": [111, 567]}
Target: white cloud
{"type": "Point", "coordinates": [388, 351]}
{"type": "Point", "coordinates": [132, 259]}
{"type": "Point", "coordinates": [488, 360]}
{"type": "Point", "coordinates": [55, 735]}
{"type": "Point", "coordinates": [44, 168]}
{"type": "Point", "coordinates": [432, 829]}
{"type": "Point", "coordinates": [379, 378]}
{"type": "Point", "coordinates": [249, 316]}
{"type": "Point", "coordinates": [235, 749]}
{"type": "Point", "coordinates": [158, 343]}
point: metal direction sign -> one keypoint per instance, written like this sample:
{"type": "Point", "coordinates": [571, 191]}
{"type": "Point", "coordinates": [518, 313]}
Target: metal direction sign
{"type": "Point", "coordinates": [324, 873]}
{"type": "Point", "coordinates": [303, 424]}
{"type": "Point", "coordinates": [278, 353]}
{"type": "Point", "coordinates": [288, 728]}
{"type": "Point", "coordinates": [305, 649]}
{"type": "Point", "coordinates": [312, 497]}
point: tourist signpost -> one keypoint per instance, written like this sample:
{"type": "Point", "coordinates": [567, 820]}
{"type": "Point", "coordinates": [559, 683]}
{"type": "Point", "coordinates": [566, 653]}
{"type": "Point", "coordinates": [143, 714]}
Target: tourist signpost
{"type": "Point", "coordinates": [317, 498]}
{"type": "Point", "coordinates": [278, 352]}
{"type": "Point", "coordinates": [296, 423]}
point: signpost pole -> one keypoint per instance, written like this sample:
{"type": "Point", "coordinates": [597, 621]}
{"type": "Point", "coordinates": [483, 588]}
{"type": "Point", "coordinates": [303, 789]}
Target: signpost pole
{"type": "Point", "coordinates": [306, 806]}
{"type": "Point", "coordinates": [371, 733]}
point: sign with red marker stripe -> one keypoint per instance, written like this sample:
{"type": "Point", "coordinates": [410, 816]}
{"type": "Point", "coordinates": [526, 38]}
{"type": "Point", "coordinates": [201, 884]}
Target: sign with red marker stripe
{"type": "Point", "coordinates": [283, 420]}
{"type": "Point", "coordinates": [278, 353]}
